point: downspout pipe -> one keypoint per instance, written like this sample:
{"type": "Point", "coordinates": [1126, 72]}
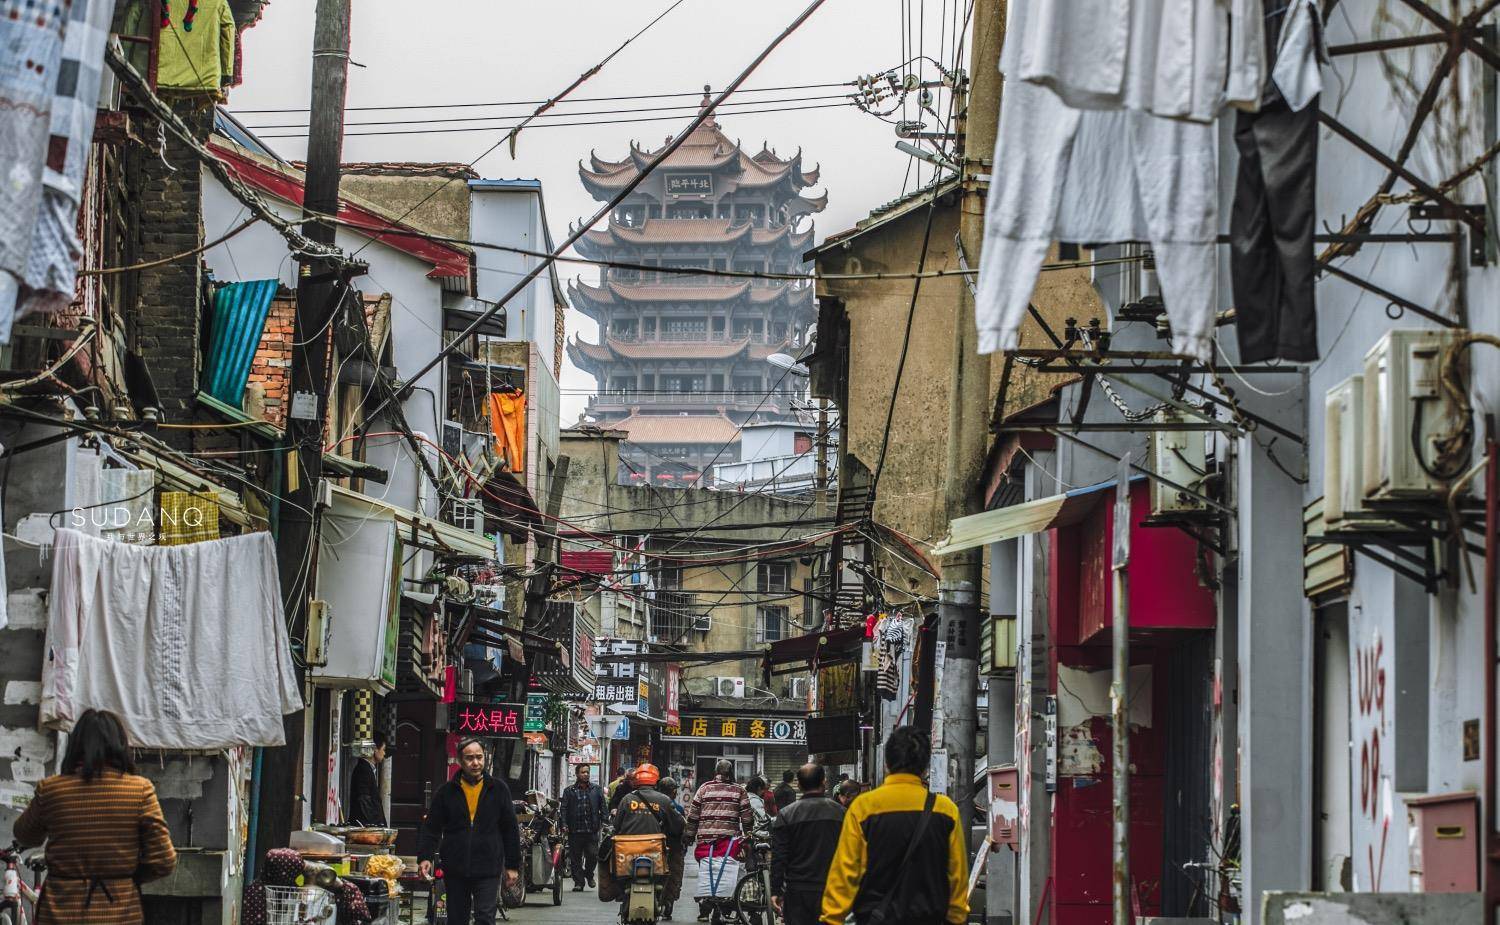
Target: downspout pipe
{"type": "Point", "coordinates": [1492, 662]}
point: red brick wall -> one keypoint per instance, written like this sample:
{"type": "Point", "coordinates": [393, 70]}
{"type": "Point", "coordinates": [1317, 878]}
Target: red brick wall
{"type": "Point", "coordinates": [272, 366]}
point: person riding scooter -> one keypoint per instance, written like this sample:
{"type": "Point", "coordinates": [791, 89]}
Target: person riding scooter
{"type": "Point", "coordinates": [646, 811]}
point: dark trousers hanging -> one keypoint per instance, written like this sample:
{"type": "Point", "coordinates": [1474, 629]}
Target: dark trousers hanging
{"type": "Point", "coordinates": [1272, 266]}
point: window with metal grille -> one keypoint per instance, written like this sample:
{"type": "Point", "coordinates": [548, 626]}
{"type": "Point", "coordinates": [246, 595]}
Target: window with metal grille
{"type": "Point", "coordinates": [771, 624]}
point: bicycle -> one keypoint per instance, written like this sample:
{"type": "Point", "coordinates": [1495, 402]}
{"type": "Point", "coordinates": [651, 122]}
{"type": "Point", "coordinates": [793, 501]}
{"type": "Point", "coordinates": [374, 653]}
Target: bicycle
{"type": "Point", "coordinates": [752, 894]}
{"type": "Point", "coordinates": [18, 899]}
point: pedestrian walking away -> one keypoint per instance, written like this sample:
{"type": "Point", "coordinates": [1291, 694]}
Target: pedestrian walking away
{"type": "Point", "coordinates": [784, 794]}
{"type": "Point", "coordinates": [583, 815]}
{"type": "Point", "coordinates": [676, 853]}
{"type": "Point", "coordinates": [104, 830]}
{"type": "Point", "coordinates": [365, 806]}
{"type": "Point", "coordinates": [901, 855]}
{"type": "Point", "coordinates": [472, 832]}
{"type": "Point", "coordinates": [847, 790]}
{"type": "Point", "coordinates": [804, 838]}
{"type": "Point", "coordinates": [719, 814]}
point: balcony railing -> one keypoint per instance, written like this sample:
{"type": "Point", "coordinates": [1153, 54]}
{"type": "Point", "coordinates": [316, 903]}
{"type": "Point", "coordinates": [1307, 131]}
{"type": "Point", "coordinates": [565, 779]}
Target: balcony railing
{"type": "Point", "coordinates": [697, 337]}
{"type": "Point", "coordinates": [742, 399]}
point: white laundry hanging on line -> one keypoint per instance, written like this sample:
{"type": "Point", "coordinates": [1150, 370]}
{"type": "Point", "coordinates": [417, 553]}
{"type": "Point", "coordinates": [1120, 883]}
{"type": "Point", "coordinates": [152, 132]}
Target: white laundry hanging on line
{"type": "Point", "coordinates": [1299, 55]}
{"type": "Point", "coordinates": [188, 644]}
{"type": "Point", "coordinates": [1098, 175]}
{"type": "Point", "coordinates": [1181, 59]}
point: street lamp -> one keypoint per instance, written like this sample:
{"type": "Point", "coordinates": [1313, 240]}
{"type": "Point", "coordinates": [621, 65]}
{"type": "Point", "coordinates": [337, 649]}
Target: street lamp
{"type": "Point", "coordinates": [789, 363]}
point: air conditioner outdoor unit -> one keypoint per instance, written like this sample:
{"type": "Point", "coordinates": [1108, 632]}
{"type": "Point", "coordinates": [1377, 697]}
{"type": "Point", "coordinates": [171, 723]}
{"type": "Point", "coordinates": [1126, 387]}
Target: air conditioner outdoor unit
{"type": "Point", "coordinates": [1403, 413]}
{"type": "Point", "coordinates": [796, 688]}
{"type": "Point", "coordinates": [1178, 456]}
{"type": "Point", "coordinates": [729, 687]}
{"type": "Point", "coordinates": [1343, 454]}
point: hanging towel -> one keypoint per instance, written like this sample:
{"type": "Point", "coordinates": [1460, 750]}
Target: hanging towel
{"type": "Point", "coordinates": [197, 58]}
{"type": "Point", "coordinates": [1273, 270]}
{"type": "Point", "coordinates": [1098, 175]}
{"type": "Point", "coordinates": [31, 43]}
{"type": "Point", "coordinates": [52, 269]}
{"type": "Point", "coordinates": [188, 644]}
{"type": "Point", "coordinates": [188, 517]}
{"type": "Point", "coordinates": [126, 508]}
{"type": "Point", "coordinates": [508, 423]}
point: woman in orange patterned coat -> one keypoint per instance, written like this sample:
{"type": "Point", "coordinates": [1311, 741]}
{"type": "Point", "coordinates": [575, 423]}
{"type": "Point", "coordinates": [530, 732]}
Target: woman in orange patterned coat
{"type": "Point", "coordinates": [104, 830]}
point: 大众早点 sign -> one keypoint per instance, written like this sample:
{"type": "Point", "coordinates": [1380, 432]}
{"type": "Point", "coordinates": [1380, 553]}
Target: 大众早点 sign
{"type": "Point", "coordinates": [495, 720]}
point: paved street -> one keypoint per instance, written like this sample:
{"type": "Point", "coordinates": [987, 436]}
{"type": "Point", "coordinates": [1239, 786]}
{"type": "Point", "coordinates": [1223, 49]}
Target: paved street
{"type": "Point", "coordinates": [586, 909]}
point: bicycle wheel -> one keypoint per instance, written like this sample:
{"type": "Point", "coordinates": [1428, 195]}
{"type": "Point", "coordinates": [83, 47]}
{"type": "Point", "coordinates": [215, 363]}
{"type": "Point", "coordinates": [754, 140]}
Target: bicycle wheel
{"type": "Point", "coordinates": [752, 901]}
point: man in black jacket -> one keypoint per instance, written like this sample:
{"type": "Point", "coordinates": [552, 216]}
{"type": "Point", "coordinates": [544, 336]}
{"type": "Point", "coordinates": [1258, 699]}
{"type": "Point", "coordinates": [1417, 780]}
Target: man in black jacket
{"type": "Point", "coordinates": [472, 826]}
{"type": "Point", "coordinates": [804, 837]}
{"type": "Point", "coordinates": [365, 806]}
{"type": "Point", "coordinates": [784, 795]}
{"type": "Point", "coordinates": [582, 816]}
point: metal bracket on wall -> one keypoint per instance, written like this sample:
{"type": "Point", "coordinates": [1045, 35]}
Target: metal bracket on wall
{"type": "Point", "coordinates": [1478, 226]}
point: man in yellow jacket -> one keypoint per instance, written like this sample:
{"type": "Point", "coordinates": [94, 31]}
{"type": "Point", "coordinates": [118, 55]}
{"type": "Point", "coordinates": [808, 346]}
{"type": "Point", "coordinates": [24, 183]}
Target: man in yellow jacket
{"type": "Point", "coordinates": [902, 855]}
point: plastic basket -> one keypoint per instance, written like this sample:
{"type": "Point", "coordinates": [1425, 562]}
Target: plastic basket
{"type": "Point", "coordinates": [291, 905]}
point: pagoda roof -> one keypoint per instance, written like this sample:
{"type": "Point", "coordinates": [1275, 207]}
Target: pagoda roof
{"type": "Point", "coordinates": [614, 293]}
{"type": "Point", "coordinates": [706, 148]}
{"type": "Point", "coordinates": [678, 428]}
{"type": "Point", "coordinates": [662, 232]}
{"type": "Point", "coordinates": [588, 357]}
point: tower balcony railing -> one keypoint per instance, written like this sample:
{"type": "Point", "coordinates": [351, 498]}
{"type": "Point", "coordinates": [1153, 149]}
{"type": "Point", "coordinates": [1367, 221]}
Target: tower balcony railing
{"type": "Point", "coordinates": [698, 337]}
{"type": "Point", "coordinates": [624, 398]}
{"type": "Point", "coordinates": [699, 280]}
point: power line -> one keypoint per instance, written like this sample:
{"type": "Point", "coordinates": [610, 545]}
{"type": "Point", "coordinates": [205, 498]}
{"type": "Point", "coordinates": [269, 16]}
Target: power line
{"type": "Point", "coordinates": [561, 115]}
{"type": "Point", "coordinates": [577, 99]}
{"type": "Point", "coordinates": [741, 112]}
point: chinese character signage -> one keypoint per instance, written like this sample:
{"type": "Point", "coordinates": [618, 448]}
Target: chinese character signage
{"type": "Point", "coordinates": [614, 692]}
{"type": "Point", "coordinates": [616, 670]}
{"type": "Point", "coordinates": [748, 729]}
{"type": "Point", "coordinates": [690, 184]}
{"type": "Point", "coordinates": [651, 692]}
{"type": "Point", "coordinates": [496, 720]}
{"type": "Point", "coordinates": [536, 712]}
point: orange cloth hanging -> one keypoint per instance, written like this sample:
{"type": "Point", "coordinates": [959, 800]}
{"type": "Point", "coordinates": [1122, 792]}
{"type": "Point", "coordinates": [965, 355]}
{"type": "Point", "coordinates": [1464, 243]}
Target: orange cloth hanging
{"type": "Point", "coordinates": [508, 423]}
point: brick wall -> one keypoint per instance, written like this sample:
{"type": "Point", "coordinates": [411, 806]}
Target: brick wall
{"type": "Point", "coordinates": [167, 333]}
{"type": "Point", "coordinates": [272, 367]}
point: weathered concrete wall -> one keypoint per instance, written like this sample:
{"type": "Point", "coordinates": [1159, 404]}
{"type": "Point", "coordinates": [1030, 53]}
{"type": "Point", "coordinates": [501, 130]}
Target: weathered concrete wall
{"type": "Point", "coordinates": [1371, 908]}
{"type": "Point", "coordinates": [437, 203]}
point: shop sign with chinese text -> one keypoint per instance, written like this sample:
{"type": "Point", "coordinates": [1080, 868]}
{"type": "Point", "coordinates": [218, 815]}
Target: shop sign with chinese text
{"type": "Point", "coordinates": [495, 720]}
{"type": "Point", "coordinates": [748, 729]}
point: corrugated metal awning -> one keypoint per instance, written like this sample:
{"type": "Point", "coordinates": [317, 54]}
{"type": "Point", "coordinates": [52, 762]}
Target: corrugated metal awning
{"type": "Point", "coordinates": [418, 529]}
{"type": "Point", "coordinates": [235, 328]}
{"type": "Point", "coordinates": [1029, 517]}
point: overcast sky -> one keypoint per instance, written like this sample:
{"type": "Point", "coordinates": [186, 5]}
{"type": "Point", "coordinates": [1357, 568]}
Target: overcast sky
{"type": "Point", "coordinates": [486, 51]}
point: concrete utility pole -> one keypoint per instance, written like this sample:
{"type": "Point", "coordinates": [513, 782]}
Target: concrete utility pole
{"type": "Point", "coordinates": [968, 411]}
{"type": "Point", "coordinates": [1119, 693]}
{"type": "Point", "coordinates": [319, 294]}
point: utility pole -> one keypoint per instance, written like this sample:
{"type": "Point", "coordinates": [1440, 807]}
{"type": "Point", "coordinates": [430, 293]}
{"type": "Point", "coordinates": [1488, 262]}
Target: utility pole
{"type": "Point", "coordinates": [1119, 693]}
{"type": "Point", "coordinates": [320, 288]}
{"type": "Point", "coordinates": [978, 117]}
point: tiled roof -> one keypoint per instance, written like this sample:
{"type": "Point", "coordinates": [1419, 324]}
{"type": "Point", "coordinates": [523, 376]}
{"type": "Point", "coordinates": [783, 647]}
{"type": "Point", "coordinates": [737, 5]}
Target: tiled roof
{"type": "Point", "coordinates": [678, 428]}
{"type": "Point", "coordinates": [648, 350]}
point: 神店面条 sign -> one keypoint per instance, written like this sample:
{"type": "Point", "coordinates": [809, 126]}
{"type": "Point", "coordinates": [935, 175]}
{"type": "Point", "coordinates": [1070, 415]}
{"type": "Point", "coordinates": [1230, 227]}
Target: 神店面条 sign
{"type": "Point", "coordinates": [748, 729]}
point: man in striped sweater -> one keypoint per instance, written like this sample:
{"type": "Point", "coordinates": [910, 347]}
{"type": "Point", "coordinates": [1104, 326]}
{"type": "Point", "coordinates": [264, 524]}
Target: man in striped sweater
{"type": "Point", "coordinates": [720, 811]}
